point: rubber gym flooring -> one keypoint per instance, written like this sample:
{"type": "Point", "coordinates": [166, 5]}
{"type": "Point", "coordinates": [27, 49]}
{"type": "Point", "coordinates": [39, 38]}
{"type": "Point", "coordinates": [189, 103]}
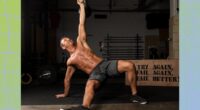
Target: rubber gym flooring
{"type": "Point", "coordinates": [113, 96]}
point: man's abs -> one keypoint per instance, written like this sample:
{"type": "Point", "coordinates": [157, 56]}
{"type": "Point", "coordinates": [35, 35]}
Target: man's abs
{"type": "Point", "coordinates": [85, 61]}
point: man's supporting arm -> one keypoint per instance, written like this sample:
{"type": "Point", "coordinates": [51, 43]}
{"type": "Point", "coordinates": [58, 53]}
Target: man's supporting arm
{"type": "Point", "coordinates": [68, 76]}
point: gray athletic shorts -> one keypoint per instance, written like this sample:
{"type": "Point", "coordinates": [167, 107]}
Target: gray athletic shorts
{"type": "Point", "coordinates": [103, 70]}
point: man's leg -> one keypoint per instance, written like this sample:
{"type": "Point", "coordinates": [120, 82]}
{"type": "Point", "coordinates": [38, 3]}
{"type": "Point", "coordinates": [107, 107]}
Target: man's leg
{"type": "Point", "coordinates": [90, 88]}
{"type": "Point", "coordinates": [129, 68]}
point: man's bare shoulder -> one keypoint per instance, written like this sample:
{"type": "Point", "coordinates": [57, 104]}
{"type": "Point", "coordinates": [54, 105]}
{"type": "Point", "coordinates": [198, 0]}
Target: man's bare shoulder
{"type": "Point", "coordinates": [72, 58]}
{"type": "Point", "coordinates": [69, 61]}
{"type": "Point", "coordinates": [82, 44]}
{"type": "Point", "coordinates": [79, 40]}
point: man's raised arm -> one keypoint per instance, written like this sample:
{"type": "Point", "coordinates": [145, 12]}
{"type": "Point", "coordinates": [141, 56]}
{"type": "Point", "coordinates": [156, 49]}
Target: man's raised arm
{"type": "Point", "coordinates": [81, 27]}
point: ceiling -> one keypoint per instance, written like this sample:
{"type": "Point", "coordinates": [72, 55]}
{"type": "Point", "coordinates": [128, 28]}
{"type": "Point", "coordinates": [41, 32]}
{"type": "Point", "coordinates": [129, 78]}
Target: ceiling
{"type": "Point", "coordinates": [123, 5]}
{"type": "Point", "coordinates": [101, 5]}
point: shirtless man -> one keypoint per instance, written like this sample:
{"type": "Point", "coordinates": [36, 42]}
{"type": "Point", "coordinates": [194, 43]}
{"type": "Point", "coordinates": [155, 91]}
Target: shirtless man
{"type": "Point", "coordinates": [83, 58]}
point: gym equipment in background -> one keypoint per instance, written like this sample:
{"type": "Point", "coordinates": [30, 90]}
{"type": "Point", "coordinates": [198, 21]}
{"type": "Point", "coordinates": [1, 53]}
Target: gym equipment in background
{"type": "Point", "coordinates": [47, 74]}
{"type": "Point", "coordinates": [122, 47]}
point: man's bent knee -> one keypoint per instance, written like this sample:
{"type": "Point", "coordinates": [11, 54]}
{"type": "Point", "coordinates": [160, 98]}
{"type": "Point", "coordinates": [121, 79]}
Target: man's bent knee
{"type": "Point", "coordinates": [130, 65]}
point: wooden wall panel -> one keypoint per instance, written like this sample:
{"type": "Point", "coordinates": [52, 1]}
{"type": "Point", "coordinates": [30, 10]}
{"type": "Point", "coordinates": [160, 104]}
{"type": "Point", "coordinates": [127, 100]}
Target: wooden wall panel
{"type": "Point", "coordinates": [157, 72]}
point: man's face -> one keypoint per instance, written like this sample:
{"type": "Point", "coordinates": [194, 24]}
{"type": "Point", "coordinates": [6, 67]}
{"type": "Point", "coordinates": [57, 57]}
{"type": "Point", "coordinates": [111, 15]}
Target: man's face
{"type": "Point", "coordinates": [65, 43]}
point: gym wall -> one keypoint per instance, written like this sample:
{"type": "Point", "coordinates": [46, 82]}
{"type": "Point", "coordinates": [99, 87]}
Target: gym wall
{"type": "Point", "coordinates": [116, 24]}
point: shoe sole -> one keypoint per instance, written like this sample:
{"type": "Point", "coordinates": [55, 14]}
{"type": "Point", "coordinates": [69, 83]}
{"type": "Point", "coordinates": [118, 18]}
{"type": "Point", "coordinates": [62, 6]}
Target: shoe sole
{"type": "Point", "coordinates": [142, 103]}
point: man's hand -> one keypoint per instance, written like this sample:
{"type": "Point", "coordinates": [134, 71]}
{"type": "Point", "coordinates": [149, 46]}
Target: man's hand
{"type": "Point", "coordinates": [61, 96]}
{"type": "Point", "coordinates": [80, 2]}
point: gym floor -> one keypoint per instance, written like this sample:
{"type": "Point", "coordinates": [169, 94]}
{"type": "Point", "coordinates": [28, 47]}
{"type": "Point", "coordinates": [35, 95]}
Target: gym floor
{"type": "Point", "coordinates": [113, 96]}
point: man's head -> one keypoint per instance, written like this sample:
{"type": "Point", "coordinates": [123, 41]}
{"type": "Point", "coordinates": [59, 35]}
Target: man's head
{"type": "Point", "coordinates": [66, 43]}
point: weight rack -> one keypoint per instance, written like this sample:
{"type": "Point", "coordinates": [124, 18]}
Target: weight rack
{"type": "Point", "coordinates": [122, 47]}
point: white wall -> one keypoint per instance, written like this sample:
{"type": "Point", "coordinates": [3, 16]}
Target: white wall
{"type": "Point", "coordinates": [116, 24]}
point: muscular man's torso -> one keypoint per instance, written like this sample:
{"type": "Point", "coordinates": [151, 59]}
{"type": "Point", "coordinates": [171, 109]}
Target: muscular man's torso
{"type": "Point", "coordinates": [84, 59]}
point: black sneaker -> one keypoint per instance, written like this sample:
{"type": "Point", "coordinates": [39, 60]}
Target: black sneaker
{"type": "Point", "coordinates": [78, 108]}
{"type": "Point", "coordinates": [136, 98]}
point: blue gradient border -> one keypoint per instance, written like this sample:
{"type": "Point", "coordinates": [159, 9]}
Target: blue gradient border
{"type": "Point", "coordinates": [189, 54]}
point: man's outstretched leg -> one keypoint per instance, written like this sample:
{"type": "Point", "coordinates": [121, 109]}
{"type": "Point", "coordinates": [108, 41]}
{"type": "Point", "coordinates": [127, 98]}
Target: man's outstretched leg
{"type": "Point", "coordinates": [128, 67]}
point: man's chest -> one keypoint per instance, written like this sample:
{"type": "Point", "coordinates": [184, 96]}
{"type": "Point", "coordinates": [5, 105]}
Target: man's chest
{"type": "Point", "coordinates": [78, 57]}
